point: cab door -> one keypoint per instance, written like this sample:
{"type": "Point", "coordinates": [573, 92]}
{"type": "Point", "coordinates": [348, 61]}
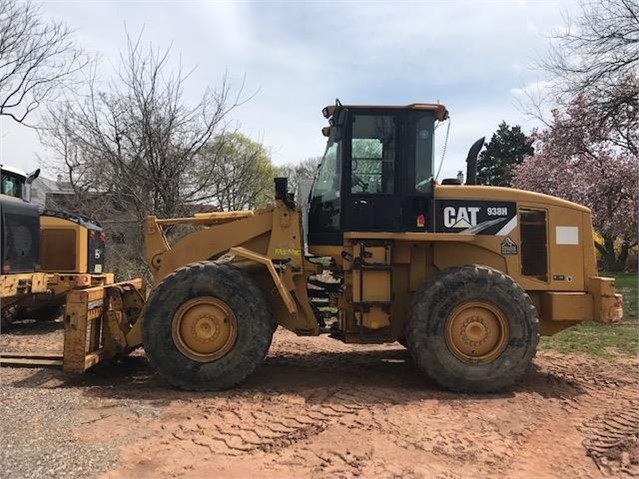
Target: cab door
{"type": "Point", "coordinates": [372, 188]}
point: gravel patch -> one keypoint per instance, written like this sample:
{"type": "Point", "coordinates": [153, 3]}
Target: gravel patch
{"type": "Point", "coordinates": [62, 430]}
{"type": "Point", "coordinates": [38, 439]}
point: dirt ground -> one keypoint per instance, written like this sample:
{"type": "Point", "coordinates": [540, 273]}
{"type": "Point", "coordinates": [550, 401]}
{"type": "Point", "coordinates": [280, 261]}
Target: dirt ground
{"type": "Point", "coordinates": [317, 408]}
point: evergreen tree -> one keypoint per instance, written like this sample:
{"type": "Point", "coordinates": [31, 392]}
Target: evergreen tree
{"type": "Point", "coordinates": [507, 148]}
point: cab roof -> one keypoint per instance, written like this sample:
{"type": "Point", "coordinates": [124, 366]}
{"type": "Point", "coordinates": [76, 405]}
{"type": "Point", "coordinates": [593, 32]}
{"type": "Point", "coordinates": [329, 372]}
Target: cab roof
{"type": "Point", "coordinates": [15, 171]}
{"type": "Point", "coordinates": [441, 113]}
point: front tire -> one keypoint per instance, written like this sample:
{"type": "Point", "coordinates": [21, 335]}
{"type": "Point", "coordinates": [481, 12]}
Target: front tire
{"type": "Point", "coordinates": [472, 329]}
{"type": "Point", "coordinates": [206, 327]}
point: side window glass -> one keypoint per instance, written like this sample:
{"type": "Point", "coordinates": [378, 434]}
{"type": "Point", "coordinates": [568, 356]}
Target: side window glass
{"type": "Point", "coordinates": [325, 196]}
{"type": "Point", "coordinates": [330, 174]}
{"type": "Point", "coordinates": [373, 150]}
{"type": "Point", "coordinates": [10, 187]}
{"type": "Point", "coordinates": [424, 153]}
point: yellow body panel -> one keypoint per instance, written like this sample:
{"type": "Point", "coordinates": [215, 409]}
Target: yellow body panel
{"type": "Point", "coordinates": [206, 243]}
{"type": "Point", "coordinates": [64, 246]}
{"type": "Point", "coordinates": [14, 287]}
{"type": "Point", "coordinates": [262, 238]}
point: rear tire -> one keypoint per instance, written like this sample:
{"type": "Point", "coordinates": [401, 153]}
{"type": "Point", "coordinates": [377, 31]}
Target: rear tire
{"type": "Point", "coordinates": [190, 310]}
{"type": "Point", "coordinates": [472, 329]}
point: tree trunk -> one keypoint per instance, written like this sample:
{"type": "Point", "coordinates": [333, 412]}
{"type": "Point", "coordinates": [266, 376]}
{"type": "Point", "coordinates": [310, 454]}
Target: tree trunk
{"type": "Point", "coordinates": [612, 262]}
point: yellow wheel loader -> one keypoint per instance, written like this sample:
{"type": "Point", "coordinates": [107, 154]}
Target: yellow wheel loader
{"type": "Point", "coordinates": [42, 256]}
{"type": "Point", "coordinates": [466, 276]}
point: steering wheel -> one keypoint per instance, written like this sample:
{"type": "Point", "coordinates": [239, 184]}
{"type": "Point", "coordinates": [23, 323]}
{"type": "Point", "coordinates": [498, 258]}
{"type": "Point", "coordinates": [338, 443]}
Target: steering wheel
{"type": "Point", "coordinates": [357, 181]}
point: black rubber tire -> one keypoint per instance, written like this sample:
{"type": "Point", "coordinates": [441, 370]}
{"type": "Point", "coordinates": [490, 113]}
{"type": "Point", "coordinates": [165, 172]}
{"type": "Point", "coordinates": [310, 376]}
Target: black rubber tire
{"type": "Point", "coordinates": [436, 300]}
{"type": "Point", "coordinates": [237, 290]}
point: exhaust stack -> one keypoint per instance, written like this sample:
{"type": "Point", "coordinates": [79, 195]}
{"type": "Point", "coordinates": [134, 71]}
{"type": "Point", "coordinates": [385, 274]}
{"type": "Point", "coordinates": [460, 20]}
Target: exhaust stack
{"type": "Point", "coordinates": [471, 161]}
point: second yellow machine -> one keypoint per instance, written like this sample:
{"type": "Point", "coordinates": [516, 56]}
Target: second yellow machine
{"type": "Point", "coordinates": [466, 276]}
{"type": "Point", "coordinates": [43, 256]}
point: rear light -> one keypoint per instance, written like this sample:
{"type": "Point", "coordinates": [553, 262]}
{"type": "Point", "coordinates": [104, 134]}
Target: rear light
{"type": "Point", "coordinates": [92, 234]}
{"type": "Point", "coordinates": [6, 268]}
{"type": "Point", "coordinates": [102, 237]}
{"type": "Point", "coordinates": [83, 280]}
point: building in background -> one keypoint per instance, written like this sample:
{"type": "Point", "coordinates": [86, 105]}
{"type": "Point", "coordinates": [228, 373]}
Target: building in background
{"type": "Point", "coordinates": [44, 188]}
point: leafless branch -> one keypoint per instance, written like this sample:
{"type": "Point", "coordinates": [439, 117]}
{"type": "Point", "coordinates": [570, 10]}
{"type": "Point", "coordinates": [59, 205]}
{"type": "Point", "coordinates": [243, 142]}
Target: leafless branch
{"type": "Point", "coordinates": [597, 57]}
{"type": "Point", "coordinates": [38, 59]}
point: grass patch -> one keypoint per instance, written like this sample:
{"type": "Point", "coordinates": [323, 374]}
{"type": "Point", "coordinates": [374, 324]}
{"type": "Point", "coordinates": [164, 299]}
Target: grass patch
{"type": "Point", "coordinates": [604, 340]}
{"type": "Point", "coordinates": [596, 339]}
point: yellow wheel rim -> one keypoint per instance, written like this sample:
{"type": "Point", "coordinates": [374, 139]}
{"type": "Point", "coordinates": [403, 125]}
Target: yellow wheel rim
{"type": "Point", "coordinates": [477, 332]}
{"type": "Point", "coordinates": [204, 329]}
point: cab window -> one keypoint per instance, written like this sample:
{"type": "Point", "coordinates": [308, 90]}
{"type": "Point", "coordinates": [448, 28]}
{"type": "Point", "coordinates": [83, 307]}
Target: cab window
{"type": "Point", "coordinates": [325, 208]}
{"type": "Point", "coordinates": [329, 178]}
{"type": "Point", "coordinates": [373, 151]}
{"type": "Point", "coordinates": [11, 186]}
{"type": "Point", "coordinates": [424, 134]}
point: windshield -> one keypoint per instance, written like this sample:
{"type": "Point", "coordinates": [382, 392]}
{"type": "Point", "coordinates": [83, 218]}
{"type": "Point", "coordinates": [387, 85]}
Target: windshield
{"type": "Point", "coordinates": [12, 185]}
{"type": "Point", "coordinates": [328, 180]}
{"type": "Point", "coordinates": [324, 213]}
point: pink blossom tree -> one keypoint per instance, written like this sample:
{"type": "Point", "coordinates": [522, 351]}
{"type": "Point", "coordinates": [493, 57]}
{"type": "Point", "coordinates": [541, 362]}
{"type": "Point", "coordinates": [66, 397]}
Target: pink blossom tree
{"type": "Point", "coordinates": [586, 162]}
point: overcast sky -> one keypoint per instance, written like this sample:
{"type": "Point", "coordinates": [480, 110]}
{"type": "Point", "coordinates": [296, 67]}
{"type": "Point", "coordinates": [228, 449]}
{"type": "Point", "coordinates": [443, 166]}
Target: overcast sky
{"type": "Point", "coordinates": [300, 56]}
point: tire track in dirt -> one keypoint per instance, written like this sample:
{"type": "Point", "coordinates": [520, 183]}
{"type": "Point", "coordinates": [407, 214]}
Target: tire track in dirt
{"type": "Point", "coordinates": [319, 408]}
{"type": "Point", "coordinates": [314, 411]}
{"type": "Point", "coordinates": [613, 441]}
{"type": "Point", "coordinates": [584, 390]}
{"type": "Point", "coordinates": [233, 430]}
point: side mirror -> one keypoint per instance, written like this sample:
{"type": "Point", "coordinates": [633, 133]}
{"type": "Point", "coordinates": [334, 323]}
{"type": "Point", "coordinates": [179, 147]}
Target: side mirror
{"type": "Point", "coordinates": [32, 176]}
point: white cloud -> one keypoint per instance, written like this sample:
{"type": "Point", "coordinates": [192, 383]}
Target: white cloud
{"type": "Point", "coordinates": [472, 56]}
{"type": "Point", "coordinates": [535, 88]}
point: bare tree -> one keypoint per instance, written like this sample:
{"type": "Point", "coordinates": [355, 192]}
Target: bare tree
{"type": "Point", "coordinates": [133, 146]}
{"type": "Point", "coordinates": [137, 140]}
{"type": "Point", "coordinates": [598, 56]}
{"type": "Point", "coordinates": [297, 172]}
{"type": "Point", "coordinates": [599, 47]}
{"type": "Point", "coordinates": [37, 58]}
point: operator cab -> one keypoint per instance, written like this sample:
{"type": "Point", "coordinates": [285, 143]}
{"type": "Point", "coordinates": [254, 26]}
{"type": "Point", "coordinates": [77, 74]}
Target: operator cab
{"type": "Point", "coordinates": [19, 222]}
{"type": "Point", "coordinates": [16, 183]}
{"type": "Point", "coordinates": [377, 171]}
